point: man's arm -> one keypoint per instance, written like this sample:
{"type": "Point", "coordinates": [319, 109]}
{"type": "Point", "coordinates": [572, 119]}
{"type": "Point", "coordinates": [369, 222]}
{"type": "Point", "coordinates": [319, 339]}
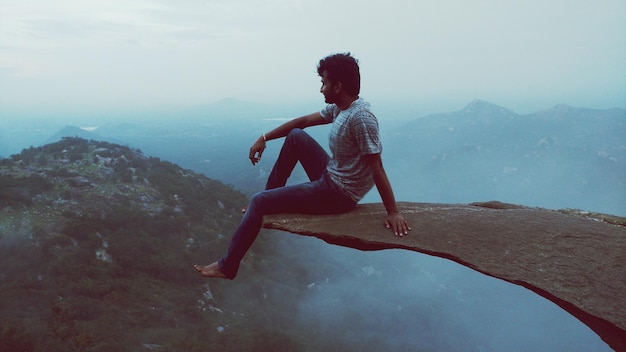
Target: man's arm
{"type": "Point", "coordinates": [256, 151]}
{"type": "Point", "coordinates": [394, 220]}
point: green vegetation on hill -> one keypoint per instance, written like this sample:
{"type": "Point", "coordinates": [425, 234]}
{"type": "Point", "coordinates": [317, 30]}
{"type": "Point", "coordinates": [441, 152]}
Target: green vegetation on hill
{"type": "Point", "coordinates": [97, 244]}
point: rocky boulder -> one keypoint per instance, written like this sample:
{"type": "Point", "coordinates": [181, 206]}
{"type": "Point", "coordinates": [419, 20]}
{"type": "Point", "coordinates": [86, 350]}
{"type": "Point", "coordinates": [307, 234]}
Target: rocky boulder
{"type": "Point", "coordinates": [575, 259]}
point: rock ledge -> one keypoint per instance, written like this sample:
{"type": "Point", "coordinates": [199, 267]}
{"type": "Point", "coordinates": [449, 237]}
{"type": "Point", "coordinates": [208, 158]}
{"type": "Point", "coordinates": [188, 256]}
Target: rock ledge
{"type": "Point", "coordinates": [575, 259]}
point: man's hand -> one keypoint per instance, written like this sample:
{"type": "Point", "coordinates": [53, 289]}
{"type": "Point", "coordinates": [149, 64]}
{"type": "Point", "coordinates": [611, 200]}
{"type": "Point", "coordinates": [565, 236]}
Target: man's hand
{"type": "Point", "coordinates": [396, 222]}
{"type": "Point", "coordinates": [256, 151]}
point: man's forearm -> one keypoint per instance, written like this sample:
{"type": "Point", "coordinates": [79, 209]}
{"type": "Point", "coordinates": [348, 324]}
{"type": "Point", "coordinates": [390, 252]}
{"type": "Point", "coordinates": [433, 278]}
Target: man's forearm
{"type": "Point", "coordinates": [299, 122]}
{"type": "Point", "coordinates": [281, 131]}
{"type": "Point", "coordinates": [382, 183]}
{"type": "Point", "coordinates": [386, 193]}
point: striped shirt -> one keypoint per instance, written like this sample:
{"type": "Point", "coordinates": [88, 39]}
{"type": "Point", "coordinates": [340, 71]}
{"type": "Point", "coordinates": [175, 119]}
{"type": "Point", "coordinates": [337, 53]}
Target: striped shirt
{"type": "Point", "coordinates": [354, 134]}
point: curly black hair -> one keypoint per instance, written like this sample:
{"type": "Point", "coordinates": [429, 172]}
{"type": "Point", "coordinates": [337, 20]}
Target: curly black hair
{"type": "Point", "coordinates": [342, 68]}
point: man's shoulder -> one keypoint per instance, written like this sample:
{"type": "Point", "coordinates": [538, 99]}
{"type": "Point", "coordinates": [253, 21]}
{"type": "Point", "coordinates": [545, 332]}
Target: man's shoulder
{"type": "Point", "coordinates": [361, 104]}
{"type": "Point", "coordinates": [364, 114]}
{"type": "Point", "coordinates": [359, 107]}
{"type": "Point", "coordinates": [329, 112]}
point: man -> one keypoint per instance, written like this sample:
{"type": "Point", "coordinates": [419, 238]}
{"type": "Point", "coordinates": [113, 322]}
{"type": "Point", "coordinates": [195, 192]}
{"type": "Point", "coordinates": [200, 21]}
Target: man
{"type": "Point", "coordinates": [337, 182]}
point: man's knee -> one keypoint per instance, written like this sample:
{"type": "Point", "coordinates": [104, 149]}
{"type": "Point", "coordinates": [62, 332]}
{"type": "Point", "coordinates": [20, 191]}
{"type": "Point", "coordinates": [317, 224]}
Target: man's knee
{"type": "Point", "coordinates": [295, 134]}
{"type": "Point", "coordinates": [256, 202]}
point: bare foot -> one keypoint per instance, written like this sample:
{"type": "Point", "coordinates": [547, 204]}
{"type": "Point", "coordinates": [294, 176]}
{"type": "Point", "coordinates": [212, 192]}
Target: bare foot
{"type": "Point", "coordinates": [211, 270]}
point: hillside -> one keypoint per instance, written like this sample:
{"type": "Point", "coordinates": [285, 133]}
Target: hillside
{"type": "Point", "coordinates": [97, 244]}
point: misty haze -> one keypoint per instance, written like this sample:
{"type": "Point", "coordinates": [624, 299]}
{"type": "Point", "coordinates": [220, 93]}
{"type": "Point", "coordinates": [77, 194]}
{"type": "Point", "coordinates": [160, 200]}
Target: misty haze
{"type": "Point", "coordinates": [125, 128]}
{"type": "Point", "coordinates": [560, 157]}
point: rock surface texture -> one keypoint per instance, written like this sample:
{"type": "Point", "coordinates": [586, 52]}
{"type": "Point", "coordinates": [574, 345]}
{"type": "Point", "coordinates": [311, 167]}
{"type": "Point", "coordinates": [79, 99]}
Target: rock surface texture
{"type": "Point", "coordinates": [575, 259]}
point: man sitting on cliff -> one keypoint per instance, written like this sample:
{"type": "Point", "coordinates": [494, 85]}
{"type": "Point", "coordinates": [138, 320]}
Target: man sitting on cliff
{"type": "Point", "coordinates": [337, 182]}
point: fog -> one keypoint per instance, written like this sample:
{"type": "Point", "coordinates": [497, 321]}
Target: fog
{"type": "Point", "coordinates": [397, 300]}
{"type": "Point", "coordinates": [394, 299]}
{"type": "Point", "coordinates": [160, 75]}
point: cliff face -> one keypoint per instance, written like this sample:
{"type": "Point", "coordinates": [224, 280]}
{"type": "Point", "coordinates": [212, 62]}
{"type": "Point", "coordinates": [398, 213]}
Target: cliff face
{"type": "Point", "coordinates": [576, 260]}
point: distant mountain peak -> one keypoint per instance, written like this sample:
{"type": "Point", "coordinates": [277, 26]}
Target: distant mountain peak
{"type": "Point", "coordinates": [72, 131]}
{"type": "Point", "coordinates": [559, 111]}
{"type": "Point", "coordinates": [478, 105]}
{"type": "Point", "coordinates": [481, 107]}
{"type": "Point", "coordinates": [479, 102]}
{"type": "Point", "coordinates": [562, 106]}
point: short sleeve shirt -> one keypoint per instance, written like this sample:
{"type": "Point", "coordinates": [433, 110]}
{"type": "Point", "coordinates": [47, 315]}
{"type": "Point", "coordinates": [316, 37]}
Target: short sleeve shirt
{"type": "Point", "coordinates": [354, 134]}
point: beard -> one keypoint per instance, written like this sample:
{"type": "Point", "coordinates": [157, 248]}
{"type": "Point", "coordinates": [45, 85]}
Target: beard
{"type": "Point", "coordinates": [330, 98]}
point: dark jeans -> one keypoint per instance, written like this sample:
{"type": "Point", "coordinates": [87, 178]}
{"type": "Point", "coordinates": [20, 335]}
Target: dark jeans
{"type": "Point", "coordinates": [319, 196]}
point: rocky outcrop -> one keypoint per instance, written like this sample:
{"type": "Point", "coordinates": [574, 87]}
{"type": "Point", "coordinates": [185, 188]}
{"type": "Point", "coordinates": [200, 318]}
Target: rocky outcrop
{"type": "Point", "coordinates": [575, 259]}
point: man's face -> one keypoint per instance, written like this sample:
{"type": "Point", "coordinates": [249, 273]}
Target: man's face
{"type": "Point", "coordinates": [329, 89]}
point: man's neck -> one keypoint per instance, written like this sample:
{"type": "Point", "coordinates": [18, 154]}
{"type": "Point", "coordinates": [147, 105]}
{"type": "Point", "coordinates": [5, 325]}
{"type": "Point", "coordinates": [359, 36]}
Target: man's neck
{"type": "Point", "coordinates": [346, 101]}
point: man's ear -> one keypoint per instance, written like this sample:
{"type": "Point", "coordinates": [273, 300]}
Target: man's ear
{"type": "Point", "coordinates": [338, 86]}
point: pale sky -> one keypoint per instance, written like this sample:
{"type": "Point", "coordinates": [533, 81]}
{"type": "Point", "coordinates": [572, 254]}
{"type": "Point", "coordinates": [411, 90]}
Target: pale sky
{"type": "Point", "coordinates": [529, 54]}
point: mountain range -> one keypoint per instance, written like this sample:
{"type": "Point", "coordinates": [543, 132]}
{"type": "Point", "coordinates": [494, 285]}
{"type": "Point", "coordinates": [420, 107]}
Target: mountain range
{"type": "Point", "coordinates": [561, 157]}
{"type": "Point", "coordinates": [98, 233]}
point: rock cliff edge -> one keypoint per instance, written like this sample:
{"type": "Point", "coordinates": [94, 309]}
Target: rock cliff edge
{"type": "Point", "coordinates": [575, 259]}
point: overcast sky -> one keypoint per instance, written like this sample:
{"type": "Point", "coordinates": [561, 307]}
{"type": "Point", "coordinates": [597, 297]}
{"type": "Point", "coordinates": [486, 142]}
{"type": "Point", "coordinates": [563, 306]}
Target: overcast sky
{"type": "Point", "coordinates": [528, 55]}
